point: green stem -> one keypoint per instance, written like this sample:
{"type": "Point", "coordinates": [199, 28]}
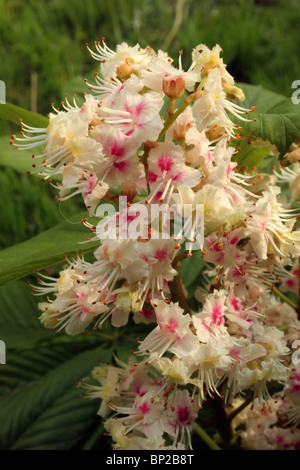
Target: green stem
{"type": "Point", "coordinates": [283, 297]}
{"type": "Point", "coordinates": [206, 438]}
{"type": "Point", "coordinates": [178, 258]}
{"type": "Point", "coordinates": [221, 421]}
{"type": "Point", "coordinates": [177, 293]}
{"type": "Point", "coordinates": [283, 327]}
{"type": "Point", "coordinates": [244, 405]}
{"type": "Point", "coordinates": [144, 160]}
{"type": "Point", "coordinates": [169, 121]}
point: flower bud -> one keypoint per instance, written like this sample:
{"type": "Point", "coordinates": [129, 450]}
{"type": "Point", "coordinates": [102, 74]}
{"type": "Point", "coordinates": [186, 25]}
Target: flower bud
{"type": "Point", "coordinates": [294, 156]}
{"type": "Point", "coordinates": [99, 372]}
{"type": "Point", "coordinates": [174, 88]}
{"type": "Point", "coordinates": [180, 131]}
{"type": "Point", "coordinates": [233, 92]}
{"type": "Point", "coordinates": [207, 68]}
{"type": "Point", "coordinates": [135, 302]}
{"type": "Point", "coordinates": [254, 364]}
{"type": "Point", "coordinates": [215, 132]}
{"type": "Point", "coordinates": [47, 318]}
{"type": "Point", "coordinates": [295, 188]}
{"type": "Point", "coordinates": [124, 70]}
{"type": "Point", "coordinates": [123, 301]}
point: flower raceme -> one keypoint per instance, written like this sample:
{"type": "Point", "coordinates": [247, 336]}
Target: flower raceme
{"type": "Point", "coordinates": [152, 133]}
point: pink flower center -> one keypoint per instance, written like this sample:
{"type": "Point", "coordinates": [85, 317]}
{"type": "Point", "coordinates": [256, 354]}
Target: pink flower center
{"type": "Point", "coordinates": [217, 315]}
{"type": "Point", "coordinates": [235, 353]}
{"type": "Point", "coordinates": [121, 166]}
{"type": "Point", "coordinates": [144, 408]}
{"type": "Point", "coordinates": [235, 303]}
{"type": "Point", "coordinates": [160, 255]}
{"type": "Point", "coordinates": [172, 325]}
{"type": "Point", "coordinates": [116, 149]}
{"type": "Point", "coordinates": [165, 163]}
{"type": "Point", "coordinates": [228, 170]}
{"type": "Point", "coordinates": [279, 439]}
{"type": "Point", "coordinates": [139, 108]}
{"type": "Point", "coordinates": [183, 413]}
{"type": "Point", "coordinates": [290, 283]}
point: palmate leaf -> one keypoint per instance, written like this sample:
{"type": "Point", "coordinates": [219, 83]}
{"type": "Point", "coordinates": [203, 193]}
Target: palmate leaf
{"type": "Point", "coordinates": [277, 118]}
{"type": "Point", "coordinates": [46, 249]}
{"type": "Point", "coordinates": [40, 406]}
{"type": "Point", "coordinates": [46, 412]}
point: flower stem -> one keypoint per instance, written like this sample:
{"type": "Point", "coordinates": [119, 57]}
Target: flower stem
{"type": "Point", "coordinates": [178, 294]}
{"type": "Point", "coordinates": [206, 438]}
{"type": "Point", "coordinates": [284, 297]}
{"type": "Point", "coordinates": [178, 258]}
{"type": "Point", "coordinates": [244, 405]}
{"type": "Point", "coordinates": [221, 419]}
{"type": "Point", "coordinates": [144, 160]}
{"type": "Point", "coordinates": [171, 118]}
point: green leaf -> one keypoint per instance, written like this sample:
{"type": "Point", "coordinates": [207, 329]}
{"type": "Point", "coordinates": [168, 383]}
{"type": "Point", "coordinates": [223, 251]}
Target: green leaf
{"type": "Point", "coordinates": [191, 269]}
{"type": "Point", "coordinates": [40, 406]}
{"type": "Point", "coordinates": [277, 118]}
{"type": "Point", "coordinates": [13, 113]}
{"type": "Point", "coordinates": [252, 154]}
{"type": "Point", "coordinates": [279, 129]}
{"type": "Point", "coordinates": [19, 325]}
{"type": "Point", "coordinates": [264, 100]}
{"type": "Point", "coordinates": [44, 250]}
{"type": "Point", "coordinates": [47, 413]}
{"type": "Point", "coordinates": [20, 160]}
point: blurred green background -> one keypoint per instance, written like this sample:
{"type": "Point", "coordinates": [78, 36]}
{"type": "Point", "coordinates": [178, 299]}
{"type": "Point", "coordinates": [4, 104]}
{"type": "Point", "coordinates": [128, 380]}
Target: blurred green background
{"type": "Point", "coordinates": [43, 56]}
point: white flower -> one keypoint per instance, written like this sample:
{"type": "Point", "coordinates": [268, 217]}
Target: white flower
{"type": "Point", "coordinates": [172, 333]}
{"type": "Point", "coordinates": [178, 419]}
{"type": "Point", "coordinates": [73, 311]}
{"type": "Point", "coordinates": [135, 115]}
{"type": "Point", "coordinates": [205, 60]}
{"type": "Point", "coordinates": [211, 361]}
{"type": "Point", "coordinates": [168, 170]}
{"type": "Point", "coordinates": [67, 141]}
{"type": "Point", "coordinates": [270, 227]}
{"type": "Point", "coordinates": [214, 104]}
{"type": "Point", "coordinates": [161, 76]}
{"type": "Point", "coordinates": [122, 62]}
{"type": "Point", "coordinates": [218, 210]}
{"type": "Point", "coordinates": [291, 176]}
